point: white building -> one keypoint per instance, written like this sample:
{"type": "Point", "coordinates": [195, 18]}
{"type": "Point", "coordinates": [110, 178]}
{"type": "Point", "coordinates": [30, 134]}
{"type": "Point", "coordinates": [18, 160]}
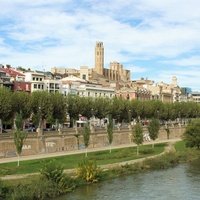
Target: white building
{"type": "Point", "coordinates": [70, 84]}
{"type": "Point", "coordinates": [92, 90]}
{"type": "Point", "coordinates": [53, 86]}
{"type": "Point", "coordinates": [36, 80]}
{"type": "Point", "coordinates": [196, 97]}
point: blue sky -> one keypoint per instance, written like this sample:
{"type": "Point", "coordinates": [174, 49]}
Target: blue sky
{"type": "Point", "coordinates": [155, 39]}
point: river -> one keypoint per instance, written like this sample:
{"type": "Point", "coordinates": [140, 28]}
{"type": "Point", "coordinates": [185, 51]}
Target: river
{"type": "Point", "coordinates": [181, 182]}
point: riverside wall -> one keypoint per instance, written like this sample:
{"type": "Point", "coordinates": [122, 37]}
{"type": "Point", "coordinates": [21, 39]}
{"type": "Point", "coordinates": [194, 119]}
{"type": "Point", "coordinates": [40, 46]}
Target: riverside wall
{"type": "Point", "coordinates": [52, 143]}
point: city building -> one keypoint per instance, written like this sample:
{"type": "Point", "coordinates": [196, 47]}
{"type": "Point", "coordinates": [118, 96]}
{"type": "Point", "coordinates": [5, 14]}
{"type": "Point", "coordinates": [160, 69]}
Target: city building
{"type": "Point", "coordinates": [21, 86]}
{"type": "Point", "coordinates": [53, 85]}
{"type": "Point", "coordinates": [196, 97]}
{"type": "Point", "coordinates": [94, 90]}
{"type": "Point", "coordinates": [36, 80]}
{"type": "Point", "coordinates": [116, 71]}
{"type": "Point", "coordinates": [64, 72]}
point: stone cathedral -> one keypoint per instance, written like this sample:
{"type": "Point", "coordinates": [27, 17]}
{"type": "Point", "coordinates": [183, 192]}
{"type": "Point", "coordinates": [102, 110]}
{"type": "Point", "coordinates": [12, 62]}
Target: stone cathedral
{"type": "Point", "coordinates": [116, 71]}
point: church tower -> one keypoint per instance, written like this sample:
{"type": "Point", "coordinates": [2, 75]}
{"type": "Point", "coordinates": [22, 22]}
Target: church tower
{"type": "Point", "coordinates": [99, 58]}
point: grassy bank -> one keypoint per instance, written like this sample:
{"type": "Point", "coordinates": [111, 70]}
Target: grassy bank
{"type": "Point", "coordinates": [71, 161]}
{"type": "Point", "coordinates": [40, 187]}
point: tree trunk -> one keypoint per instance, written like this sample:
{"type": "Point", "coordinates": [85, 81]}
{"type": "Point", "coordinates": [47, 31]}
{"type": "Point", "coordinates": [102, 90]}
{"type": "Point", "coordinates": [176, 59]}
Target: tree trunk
{"type": "Point", "coordinates": [40, 128]}
{"type": "Point", "coordinates": [86, 152]}
{"type": "Point", "coordinates": [18, 157]}
{"type": "Point", "coordinates": [110, 148]}
{"type": "Point", "coordinates": [14, 123]}
{"type": "Point", "coordinates": [137, 150]}
{"type": "Point", "coordinates": [153, 145]}
{"type": "Point", "coordinates": [1, 126]}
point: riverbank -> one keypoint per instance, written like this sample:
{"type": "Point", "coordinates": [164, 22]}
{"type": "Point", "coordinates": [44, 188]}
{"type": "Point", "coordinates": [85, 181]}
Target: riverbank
{"type": "Point", "coordinates": [168, 159]}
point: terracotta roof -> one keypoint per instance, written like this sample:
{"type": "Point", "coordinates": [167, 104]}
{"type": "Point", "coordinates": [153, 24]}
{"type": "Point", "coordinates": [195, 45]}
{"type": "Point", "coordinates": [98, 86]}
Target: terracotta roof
{"type": "Point", "coordinates": [12, 72]}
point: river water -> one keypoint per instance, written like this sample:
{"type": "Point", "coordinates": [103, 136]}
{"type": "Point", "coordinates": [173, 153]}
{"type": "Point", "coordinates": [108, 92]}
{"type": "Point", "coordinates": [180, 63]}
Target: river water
{"type": "Point", "coordinates": [181, 182]}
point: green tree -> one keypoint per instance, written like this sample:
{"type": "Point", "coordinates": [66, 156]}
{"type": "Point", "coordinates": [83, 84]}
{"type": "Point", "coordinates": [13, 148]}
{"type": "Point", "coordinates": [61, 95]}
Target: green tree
{"type": "Point", "coordinates": [137, 134]}
{"type": "Point", "coordinates": [42, 106]}
{"type": "Point", "coordinates": [59, 109]}
{"type": "Point", "coordinates": [101, 107]}
{"type": "Point", "coordinates": [153, 129]}
{"type": "Point", "coordinates": [110, 131]}
{"type": "Point", "coordinates": [86, 137]}
{"type": "Point", "coordinates": [167, 131]}
{"type": "Point", "coordinates": [192, 134]}
{"type": "Point", "coordinates": [21, 101]}
{"type": "Point", "coordinates": [74, 107]}
{"type": "Point", "coordinates": [19, 136]}
{"type": "Point", "coordinates": [5, 106]}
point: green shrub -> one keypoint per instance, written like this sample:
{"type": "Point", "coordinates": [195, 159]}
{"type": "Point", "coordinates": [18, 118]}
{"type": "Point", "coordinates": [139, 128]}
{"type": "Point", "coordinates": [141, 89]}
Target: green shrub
{"type": "Point", "coordinates": [37, 190]}
{"type": "Point", "coordinates": [147, 151]}
{"type": "Point", "coordinates": [3, 190]}
{"type": "Point", "coordinates": [163, 162]}
{"type": "Point", "coordinates": [52, 171]}
{"type": "Point", "coordinates": [88, 171]}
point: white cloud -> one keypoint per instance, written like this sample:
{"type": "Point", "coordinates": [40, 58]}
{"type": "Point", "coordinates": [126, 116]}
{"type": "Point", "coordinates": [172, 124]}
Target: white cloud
{"type": "Point", "coordinates": [63, 32]}
{"type": "Point", "coordinates": [188, 61]}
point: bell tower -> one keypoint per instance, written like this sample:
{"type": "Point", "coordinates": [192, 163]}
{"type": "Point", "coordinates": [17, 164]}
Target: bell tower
{"type": "Point", "coordinates": [99, 58]}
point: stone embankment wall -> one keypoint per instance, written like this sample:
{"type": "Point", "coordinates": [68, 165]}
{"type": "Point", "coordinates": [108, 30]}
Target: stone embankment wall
{"type": "Point", "coordinates": [68, 142]}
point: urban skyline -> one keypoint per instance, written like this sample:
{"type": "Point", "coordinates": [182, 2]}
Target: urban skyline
{"type": "Point", "coordinates": [153, 39]}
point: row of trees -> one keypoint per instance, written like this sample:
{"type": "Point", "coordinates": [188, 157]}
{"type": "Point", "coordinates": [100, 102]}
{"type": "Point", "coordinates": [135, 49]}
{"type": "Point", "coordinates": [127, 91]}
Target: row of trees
{"type": "Point", "coordinates": [52, 108]}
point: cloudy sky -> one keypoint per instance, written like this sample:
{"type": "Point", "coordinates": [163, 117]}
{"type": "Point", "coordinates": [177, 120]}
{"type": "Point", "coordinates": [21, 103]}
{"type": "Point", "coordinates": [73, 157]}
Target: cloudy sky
{"type": "Point", "coordinates": [155, 39]}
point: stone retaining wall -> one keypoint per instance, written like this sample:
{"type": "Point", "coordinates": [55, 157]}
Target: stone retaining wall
{"type": "Point", "coordinates": [68, 142]}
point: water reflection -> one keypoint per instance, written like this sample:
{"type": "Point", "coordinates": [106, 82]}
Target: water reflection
{"type": "Point", "coordinates": [177, 183]}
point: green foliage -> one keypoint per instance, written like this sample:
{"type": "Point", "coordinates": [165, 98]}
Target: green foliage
{"type": "Point", "coordinates": [147, 151]}
{"type": "Point", "coordinates": [3, 190]}
{"type": "Point", "coordinates": [5, 105]}
{"type": "Point", "coordinates": [19, 135]}
{"type": "Point", "coordinates": [58, 107]}
{"type": "Point", "coordinates": [42, 106]}
{"type": "Point", "coordinates": [137, 134]}
{"type": "Point", "coordinates": [153, 128]}
{"type": "Point", "coordinates": [163, 162]}
{"type": "Point", "coordinates": [192, 134]}
{"type": "Point", "coordinates": [19, 138]}
{"type": "Point", "coordinates": [21, 101]}
{"type": "Point", "coordinates": [37, 190]}
{"type": "Point", "coordinates": [110, 130]}
{"type": "Point", "coordinates": [52, 171]}
{"type": "Point", "coordinates": [19, 122]}
{"type": "Point", "coordinates": [88, 171]}
{"type": "Point", "coordinates": [86, 135]}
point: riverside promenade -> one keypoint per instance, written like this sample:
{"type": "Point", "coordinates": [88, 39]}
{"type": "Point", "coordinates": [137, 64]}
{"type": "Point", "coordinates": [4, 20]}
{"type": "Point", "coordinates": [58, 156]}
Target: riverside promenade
{"type": "Point", "coordinates": [64, 153]}
{"type": "Point", "coordinates": [108, 166]}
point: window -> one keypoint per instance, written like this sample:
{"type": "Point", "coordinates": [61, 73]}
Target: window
{"type": "Point", "coordinates": [84, 76]}
{"type": "Point", "coordinates": [36, 79]}
{"type": "Point", "coordinates": [40, 79]}
{"type": "Point", "coordinates": [35, 86]}
{"type": "Point", "coordinates": [42, 86]}
{"type": "Point", "coordinates": [88, 94]}
{"type": "Point", "coordinates": [38, 86]}
{"type": "Point", "coordinates": [33, 78]}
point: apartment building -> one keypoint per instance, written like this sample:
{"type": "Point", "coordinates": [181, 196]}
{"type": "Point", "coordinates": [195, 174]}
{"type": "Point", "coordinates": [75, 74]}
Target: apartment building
{"type": "Point", "coordinates": [36, 80]}
{"type": "Point", "coordinates": [93, 90]}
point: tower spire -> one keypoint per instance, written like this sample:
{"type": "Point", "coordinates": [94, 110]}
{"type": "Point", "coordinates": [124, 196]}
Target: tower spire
{"type": "Point", "coordinates": [99, 58]}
